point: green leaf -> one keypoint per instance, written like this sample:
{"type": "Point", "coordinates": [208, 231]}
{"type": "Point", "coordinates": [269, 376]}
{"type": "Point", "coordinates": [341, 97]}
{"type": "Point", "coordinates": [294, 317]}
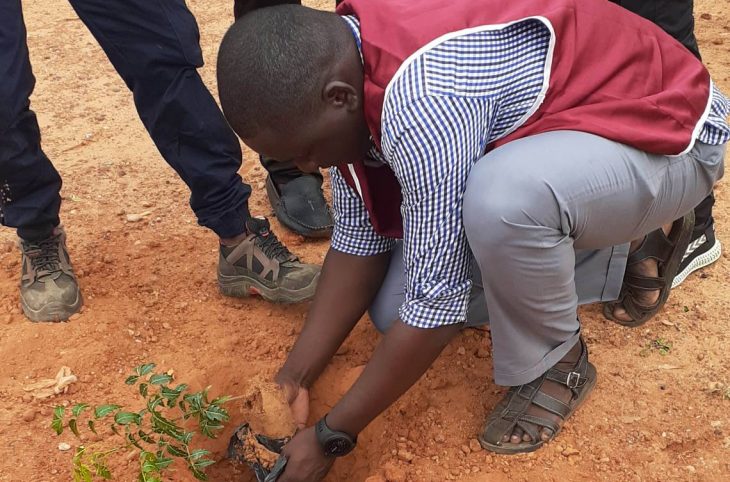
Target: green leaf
{"type": "Point", "coordinates": [131, 439]}
{"type": "Point", "coordinates": [92, 427]}
{"type": "Point", "coordinates": [216, 413]}
{"type": "Point", "coordinates": [146, 437]}
{"type": "Point", "coordinates": [160, 378]}
{"type": "Point", "coordinates": [131, 380]}
{"type": "Point", "coordinates": [143, 389]}
{"type": "Point", "coordinates": [82, 473]}
{"type": "Point", "coordinates": [73, 427]}
{"type": "Point", "coordinates": [125, 418]}
{"type": "Point", "coordinates": [198, 453]}
{"type": "Point", "coordinates": [104, 410]}
{"type": "Point", "coordinates": [57, 423]}
{"type": "Point", "coordinates": [78, 408]}
{"type": "Point", "coordinates": [176, 451]}
{"type": "Point", "coordinates": [143, 370]}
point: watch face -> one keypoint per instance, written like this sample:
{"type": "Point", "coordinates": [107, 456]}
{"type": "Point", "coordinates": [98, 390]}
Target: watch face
{"type": "Point", "coordinates": [338, 446]}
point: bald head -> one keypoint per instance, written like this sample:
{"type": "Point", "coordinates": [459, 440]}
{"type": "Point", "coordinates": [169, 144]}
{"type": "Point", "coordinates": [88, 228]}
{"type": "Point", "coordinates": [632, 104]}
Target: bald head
{"type": "Point", "coordinates": [273, 64]}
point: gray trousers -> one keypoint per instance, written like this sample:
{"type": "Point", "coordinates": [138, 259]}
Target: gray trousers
{"type": "Point", "coordinates": [549, 219]}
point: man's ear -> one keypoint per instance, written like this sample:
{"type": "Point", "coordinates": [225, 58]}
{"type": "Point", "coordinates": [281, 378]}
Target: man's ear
{"type": "Point", "coordinates": [340, 94]}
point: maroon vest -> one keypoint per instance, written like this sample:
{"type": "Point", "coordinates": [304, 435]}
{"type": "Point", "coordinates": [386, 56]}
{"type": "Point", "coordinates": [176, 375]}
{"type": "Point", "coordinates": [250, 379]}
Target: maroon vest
{"type": "Point", "coordinates": [612, 74]}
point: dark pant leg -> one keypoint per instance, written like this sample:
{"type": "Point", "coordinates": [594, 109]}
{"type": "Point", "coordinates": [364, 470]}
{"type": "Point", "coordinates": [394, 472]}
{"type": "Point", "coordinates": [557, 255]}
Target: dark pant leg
{"type": "Point", "coordinates": [154, 45]}
{"type": "Point", "coordinates": [674, 16]}
{"type": "Point", "coordinates": [280, 171]}
{"type": "Point", "coordinates": [29, 184]}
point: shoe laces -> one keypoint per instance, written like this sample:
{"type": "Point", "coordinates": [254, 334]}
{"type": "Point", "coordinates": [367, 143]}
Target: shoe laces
{"type": "Point", "coordinates": [44, 255]}
{"type": "Point", "coordinates": [272, 247]}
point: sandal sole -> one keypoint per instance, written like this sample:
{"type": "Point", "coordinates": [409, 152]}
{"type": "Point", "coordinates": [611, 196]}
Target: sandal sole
{"type": "Point", "coordinates": [528, 447]}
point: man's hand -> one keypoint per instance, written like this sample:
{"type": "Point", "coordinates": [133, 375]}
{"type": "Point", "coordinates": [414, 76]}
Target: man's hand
{"type": "Point", "coordinates": [306, 461]}
{"type": "Point", "coordinates": [298, 398]}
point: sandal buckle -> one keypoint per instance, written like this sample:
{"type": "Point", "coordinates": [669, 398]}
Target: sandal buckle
{"type": "Point", "coordinates": [573, 380]}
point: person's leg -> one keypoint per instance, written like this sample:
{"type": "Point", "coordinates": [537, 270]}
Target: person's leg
{"type": "Point", "coordinates": [384, 309]}
{"type": "Point", "coordinates": [576, 191]}
{"type": "Point", "coordinates": [676, 17]}
{"type": "Point", "coordinates": [155, 48]}
{"type": "Point", "coordinates": [295, 196]}
{"type": "Point", "coordinates": [29, 184]}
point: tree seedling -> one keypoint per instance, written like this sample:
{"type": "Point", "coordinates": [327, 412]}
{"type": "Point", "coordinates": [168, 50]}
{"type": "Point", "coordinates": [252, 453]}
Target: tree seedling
{"type": "Point", "coordinates": [160, 432]}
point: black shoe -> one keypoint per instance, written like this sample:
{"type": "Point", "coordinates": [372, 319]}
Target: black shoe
{"type": "Point", "coordinates": [703, 250]}
{"type": "Point", "coordinates": [300, 206]}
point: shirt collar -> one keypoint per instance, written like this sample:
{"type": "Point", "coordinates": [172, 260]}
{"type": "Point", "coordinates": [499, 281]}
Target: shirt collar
{"type": "Point", "coordinates": [354, 25]}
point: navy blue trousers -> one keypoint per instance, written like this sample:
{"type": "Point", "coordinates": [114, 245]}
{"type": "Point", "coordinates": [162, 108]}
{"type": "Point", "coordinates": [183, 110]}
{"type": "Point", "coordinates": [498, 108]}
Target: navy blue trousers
{"type": "Point", "coordinates": [154, 46]}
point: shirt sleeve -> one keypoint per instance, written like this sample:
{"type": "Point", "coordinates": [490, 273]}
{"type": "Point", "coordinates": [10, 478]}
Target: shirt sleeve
{"type": "Point", "coordinates": [353, 232]}
{"type": "Point", "coordinates": [431, 146]}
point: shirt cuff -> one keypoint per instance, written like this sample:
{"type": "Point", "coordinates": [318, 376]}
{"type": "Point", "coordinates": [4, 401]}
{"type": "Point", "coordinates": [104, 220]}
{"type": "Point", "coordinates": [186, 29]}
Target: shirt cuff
{"type": "Point", "coordinates": [434, 313]}
{"type": "Point", "coordinates": [360, 246]}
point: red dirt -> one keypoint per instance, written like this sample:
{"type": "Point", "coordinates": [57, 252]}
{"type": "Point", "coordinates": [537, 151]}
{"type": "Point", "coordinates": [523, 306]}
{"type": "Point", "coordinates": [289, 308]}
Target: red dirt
{"type": "Point", "coordinates": [151, 296]}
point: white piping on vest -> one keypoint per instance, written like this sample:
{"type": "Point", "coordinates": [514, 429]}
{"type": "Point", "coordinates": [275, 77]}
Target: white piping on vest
{"type": "Point", "coordinates": [351, 168]}
{"type": "Point", "coordinates": [483, 28]}
{"type": "Point", "coordinates": [700, 124]}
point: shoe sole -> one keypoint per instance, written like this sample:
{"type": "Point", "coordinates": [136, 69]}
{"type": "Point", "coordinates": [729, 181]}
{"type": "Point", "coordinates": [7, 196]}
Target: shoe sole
{"type": "Point", "coordinates": [54, 312]}
{"type": "Point", "coordinates": [705, 259]}
{"type": "Point", "coordinates": [245, 287]}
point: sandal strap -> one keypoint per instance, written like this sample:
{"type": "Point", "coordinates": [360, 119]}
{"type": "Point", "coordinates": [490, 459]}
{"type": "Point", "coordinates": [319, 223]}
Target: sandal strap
{"type": "Point", "coordinates": [655, 246]}
{"type": "Point", "coordinates": [644, 283]}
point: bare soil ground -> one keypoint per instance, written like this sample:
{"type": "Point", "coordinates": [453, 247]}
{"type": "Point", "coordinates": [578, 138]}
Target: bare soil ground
{"type": "Point", "coordinates": [151, 296]}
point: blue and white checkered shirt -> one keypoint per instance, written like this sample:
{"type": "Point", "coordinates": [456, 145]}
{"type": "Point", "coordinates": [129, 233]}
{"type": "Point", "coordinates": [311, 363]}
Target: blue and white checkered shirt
{"type": "Point", "coordinates": [439, 115]}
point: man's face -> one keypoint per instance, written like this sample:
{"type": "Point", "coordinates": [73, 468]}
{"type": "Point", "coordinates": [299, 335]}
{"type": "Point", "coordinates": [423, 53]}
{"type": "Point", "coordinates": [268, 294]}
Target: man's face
{"type": "Point", "coordinates": [333, 135]}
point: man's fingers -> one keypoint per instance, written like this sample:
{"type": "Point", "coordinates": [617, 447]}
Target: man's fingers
{"type": "Point", "coordinates": [300, 408]}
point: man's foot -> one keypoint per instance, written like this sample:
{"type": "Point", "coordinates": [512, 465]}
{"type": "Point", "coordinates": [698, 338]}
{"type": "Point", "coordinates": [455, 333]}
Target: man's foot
{"type": "Point", "coordinates": [532, 414]}
{"type": "Point", "coordinates": [261, 265]}
{"type": "Point", "coordinates": [49, 290]}
{"type": "Point", "coordinates": [703, 250]}
{"type": "Point", "coordinates": [652, 264]}
{"type": "Point", "coordinates": [299, 205]}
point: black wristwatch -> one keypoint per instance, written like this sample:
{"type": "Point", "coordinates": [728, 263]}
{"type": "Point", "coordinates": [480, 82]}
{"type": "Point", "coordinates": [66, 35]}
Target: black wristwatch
{"type": "Point", "coordinates": [335, 444]}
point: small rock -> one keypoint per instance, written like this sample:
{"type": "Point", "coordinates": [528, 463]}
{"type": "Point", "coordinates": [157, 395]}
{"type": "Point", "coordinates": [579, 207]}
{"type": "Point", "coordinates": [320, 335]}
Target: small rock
{"type": "Point", "coordinates": [439, 438]}
{"type": "Point", "coordinates": [405, 455]}
{"type": "Point", "coordinates": [570, 451]}
{"type": "Point", "coordinates": [75, 316]}
{"type": "Point", "coordinates": [461, 350]}
{"type": "Point", "coordinates": [63, 447]}
{"type": "Point", "coordinates": [29, 415]}
{"type": "Point", "coordinates": [146, 204]}
{"type": "Point", "coordinates": [706, 16]}
{"type": "Point", "coordinates": [474, 445]}
{"type": "Point", "coordinates": [691, 469]}
{"type": "Point", "coordinates": [166, 325]}
{"type": "Point", "coordinates": [482, 353]}
{"type": "Point", "coordinates": [465, 449]}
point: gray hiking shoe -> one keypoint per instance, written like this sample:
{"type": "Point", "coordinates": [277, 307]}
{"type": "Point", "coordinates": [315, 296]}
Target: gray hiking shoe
{"type": "Point", "coordinates": [261, 265]}
{"type": "Point", "coordinates": [49, 290]}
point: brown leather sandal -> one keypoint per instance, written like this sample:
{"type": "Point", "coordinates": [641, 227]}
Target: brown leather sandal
{"type": "Point", "coordinates": [511, 411]}
{"type": "Point", "coordinates": [668, 252]}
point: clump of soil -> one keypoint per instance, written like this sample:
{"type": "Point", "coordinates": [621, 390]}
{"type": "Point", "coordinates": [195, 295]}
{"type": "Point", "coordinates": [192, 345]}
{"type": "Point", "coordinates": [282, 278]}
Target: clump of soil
{"type": "Point", "coordinates": [251, 450]}
{"type": "Point", "coordinates": [269, 410]}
